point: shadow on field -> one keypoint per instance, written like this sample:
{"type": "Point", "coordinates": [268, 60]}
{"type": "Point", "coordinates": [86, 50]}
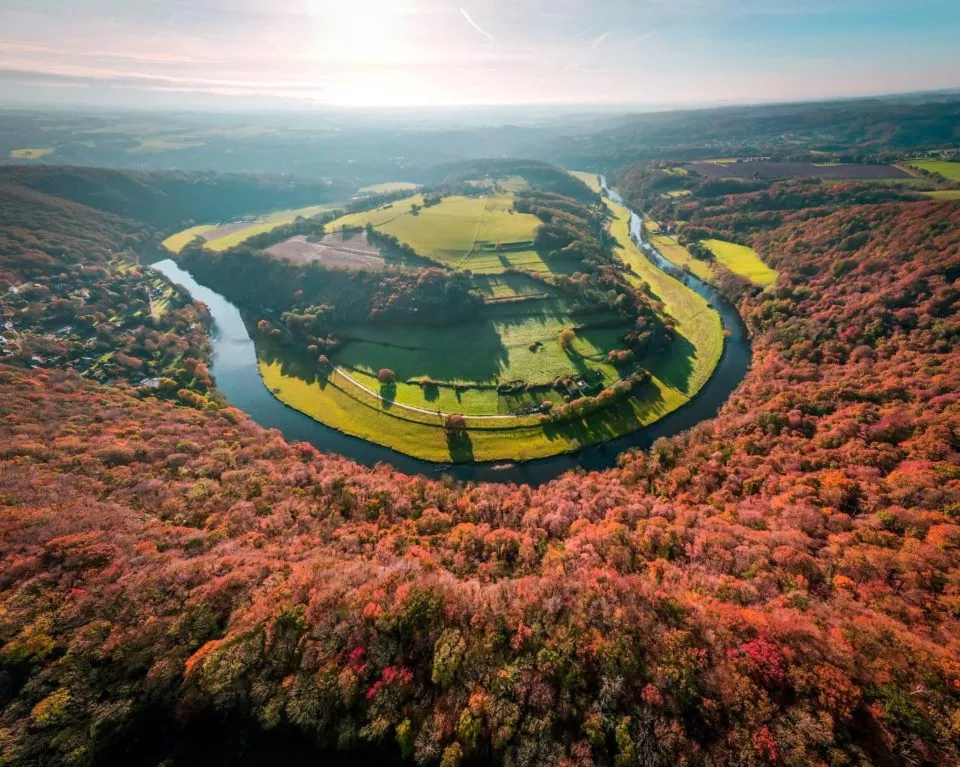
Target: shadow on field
{"type": "Point", "coordinates": [612, 421]}
{"type": "Point", "coordinates": [675, 367]}
{"type": "Point", "coordinates": [460, 446]}
{"type": "Point", "coordinates": [292, 363]}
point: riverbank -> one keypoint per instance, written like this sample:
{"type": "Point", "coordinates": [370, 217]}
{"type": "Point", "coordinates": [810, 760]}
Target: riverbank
{"type": "Point", "coordinates": [237, 372]}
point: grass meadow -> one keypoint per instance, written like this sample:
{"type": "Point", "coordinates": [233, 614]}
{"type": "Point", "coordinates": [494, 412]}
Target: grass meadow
{"type": "Point", "coordinates": [483, 234]}
{"type": "Point", "coordinates": [31, 153]}
{"type": "Point", "coordinates": [234, 234]}
{"type": "Point", "coordinates": [742, 260]}
{"type": "Point", "coordinates": [945, 168]}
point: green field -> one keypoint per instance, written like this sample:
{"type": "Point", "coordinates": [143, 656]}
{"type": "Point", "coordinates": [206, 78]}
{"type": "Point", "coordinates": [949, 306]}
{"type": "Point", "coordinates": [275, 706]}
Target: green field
{"type": "Point", "coordinates": [668, 247]}
{"type": "Point", "coordinates": [31, 153]}
{"type": "Point", "coordinates": [388, 187]}
{"type": "Point", "coordinates": [491, 349]}
{"type": "Point", "coordinates": [457, 369]}
{"type": "Point", "coordinates": [700, 344]}
{"type": "Point", "coordinates": [483, 234]}
{"type": "Point", "coordinates": [945, 168]}
{"type": "Point", "coordinates": [258, 225]}
{"type": "Point", "coordinates": [742, 260]}
{"type": "Point", "coordinates": [592, 180]}
{"type": "Point", "coordinates": [177, 242]}
{"type": "Point", "coordinates": [944, 194]}
{"type": "Point", "coordinates": [162, 145]}
{"type": "Point", "coordinates": [342, 407]}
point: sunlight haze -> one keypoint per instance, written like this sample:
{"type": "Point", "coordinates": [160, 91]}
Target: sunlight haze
{"type": "Point", "coordinates": [296, 53]}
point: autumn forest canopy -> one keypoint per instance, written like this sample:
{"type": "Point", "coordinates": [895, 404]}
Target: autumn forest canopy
{"type": "Point", "coordinates": [778, 584]}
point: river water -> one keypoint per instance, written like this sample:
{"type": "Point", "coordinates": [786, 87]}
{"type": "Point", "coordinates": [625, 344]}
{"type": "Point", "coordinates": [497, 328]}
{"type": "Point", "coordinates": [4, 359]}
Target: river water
{"type": "Point", "coordinates": [234, 367]}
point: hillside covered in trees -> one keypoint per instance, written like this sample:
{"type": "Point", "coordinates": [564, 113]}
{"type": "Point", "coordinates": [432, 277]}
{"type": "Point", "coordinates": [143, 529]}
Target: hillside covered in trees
{"type": "Point", "coordinates": [778, 586]}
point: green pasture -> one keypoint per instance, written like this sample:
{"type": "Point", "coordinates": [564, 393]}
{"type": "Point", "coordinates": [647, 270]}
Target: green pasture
{"type": "Point", "coordinates": [696, 351]}
{"type": "Point", "coordinates": [457, 368]}
{"type": "Point", "coordinates": [489, 350]}
{"type": "Point", "coordinates": [177, 242]}
{"type": "Point", "coordinates": [742, 260]}
{"type": "Point", "coordinates": [259, 225]}
{"type": "Point", "coordinates": [483, 234]}
{"type": "Point", "coordinates": [31, 153]}
{"type": "Point", "coordinates": [388, 187]}
{"type": "Point", "coordinates": [668, 247]}
{"type": "Point", "coordinates": [592, 180]}
{"type": "Point", "coordinates": [343, 407]}
{"type": "Point", "coordinates": [945, 168]}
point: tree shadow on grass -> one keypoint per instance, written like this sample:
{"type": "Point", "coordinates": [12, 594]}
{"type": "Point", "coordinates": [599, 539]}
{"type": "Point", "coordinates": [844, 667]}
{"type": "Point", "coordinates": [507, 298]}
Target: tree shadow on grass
{"type": "Point", "coordinates": [460, 446]}
{"type": "Point", "coordinates": [609, 422]}
{"type": "Point", "coordinates": [293, 363]}
{"type": "Point", "coordinates": [388, 394]}
{"type": "Point", "coordinates": [675, 365]}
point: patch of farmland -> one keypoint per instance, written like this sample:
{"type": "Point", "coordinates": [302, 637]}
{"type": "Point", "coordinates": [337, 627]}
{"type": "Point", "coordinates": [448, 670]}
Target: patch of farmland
{"type": "Point", "coordinates": [484, 234]}
{"type": "Point", "coordinates": [504, 344]}
{"type": "Point", "coordinates": [771, 169]}
{"type": "Point", "coordinates": [31, 153]}
{"type": "Point", "coordinates": [335, 250]}
{"type": "Point", "coordinates": [945, 168]}
{"type": "Point", "coordinates": [388, 187]}
{"type": "Point", "coordinates": [742, 260]}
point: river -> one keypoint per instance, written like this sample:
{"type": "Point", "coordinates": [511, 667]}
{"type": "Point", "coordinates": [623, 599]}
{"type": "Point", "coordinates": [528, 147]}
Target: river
{"type": "Point", "coordinates": [234, 368]}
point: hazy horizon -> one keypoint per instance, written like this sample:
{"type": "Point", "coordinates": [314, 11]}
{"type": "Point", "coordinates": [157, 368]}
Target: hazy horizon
{"type": "Point", "coordinates": [296, 54]}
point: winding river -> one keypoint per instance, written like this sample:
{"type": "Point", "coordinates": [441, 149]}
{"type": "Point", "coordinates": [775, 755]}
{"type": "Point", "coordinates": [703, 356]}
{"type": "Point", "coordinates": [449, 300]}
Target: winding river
{"type": "Point", "coordinates": [234, 366]}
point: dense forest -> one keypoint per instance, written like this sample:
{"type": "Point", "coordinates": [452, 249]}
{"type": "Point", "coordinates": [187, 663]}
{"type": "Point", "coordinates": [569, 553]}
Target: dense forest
{"type": "Point", "coordinates": [779, 585]}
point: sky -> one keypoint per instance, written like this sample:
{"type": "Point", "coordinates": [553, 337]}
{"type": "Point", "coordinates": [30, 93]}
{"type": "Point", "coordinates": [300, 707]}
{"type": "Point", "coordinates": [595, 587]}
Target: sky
{"type": "Point", "coordinates": [303, 53]}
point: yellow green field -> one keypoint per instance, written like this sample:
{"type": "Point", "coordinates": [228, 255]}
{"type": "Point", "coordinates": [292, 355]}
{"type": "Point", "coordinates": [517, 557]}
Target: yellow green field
{"type": "Point", "coordinates": [483, 234]}
{"type": "Point", "coordinates": [945, 168]}
{"type": "Point", "coordinates": [259, 225]}
{"type": "Point", "coordinates": [349, 411]}
{"type": "Point", "coordinates": [31, 153]}
{"type": "Point", "coordinates": [177, 242]}
{"type": "Point", "coordinates": [592, 180]}
{"type": "Point", "coordinates": [668, 247]}
{"type": "Point", "coordinates": [742, 260]}
{"type": "Point", "coordinates": [388, 187]}
{"type": "Point", "coordinates": [944, 194]}
{"type": "Point", "coordinates": [463, 364]}
{"type": "Point", "coordinates": [700, 345]}
{"type": "Point", "coordinates": [162, 145]}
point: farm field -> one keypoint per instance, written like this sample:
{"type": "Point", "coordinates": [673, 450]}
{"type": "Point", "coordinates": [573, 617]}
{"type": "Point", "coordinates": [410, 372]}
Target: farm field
{"type": "Point", "coordinates": [697, 350]}
{"type": "Point", "coordinates": [668, 247]}
{"type": "Point", "coordinates": [388, 187]}
{"type": "Point", "coordinates": [769, 169]}
{"type": "Point", "coordinates": [344, 408]}
{"type": "Point", "coordinates": [592, 180]}
{"type": "Point", "coordinates": [742, 260]}
{"type": "Point", "coordinates": [945, 168]}
{"type": "Point", "coordinates": [31, 153]}
{"type": "Point", "coordinates": [944, 194]}
{"type": "Point", "coordinates": [499, 367]}
{"type": "Point", "coordinates": [494, 348]}
{"type": "Point", "coordinates": [483, 234]}
{"type": "Point", "coordinates": [177, 242]}
{"type": "Point", "coordinates": [337, 250]}
{"type": "Point", "coordinates": [224, 236]}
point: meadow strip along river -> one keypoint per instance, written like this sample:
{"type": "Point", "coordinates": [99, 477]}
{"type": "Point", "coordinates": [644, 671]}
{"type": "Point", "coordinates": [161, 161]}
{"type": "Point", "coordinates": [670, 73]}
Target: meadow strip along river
{"type": "Point", "coordinates": [234, 368]}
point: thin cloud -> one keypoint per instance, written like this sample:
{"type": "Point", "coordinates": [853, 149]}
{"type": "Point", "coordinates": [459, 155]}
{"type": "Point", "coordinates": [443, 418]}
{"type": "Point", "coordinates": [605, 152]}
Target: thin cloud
{"type": "Point", "coordinates": [599, 40]}
{"type": "Point", "coordinates": [479, 29]}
